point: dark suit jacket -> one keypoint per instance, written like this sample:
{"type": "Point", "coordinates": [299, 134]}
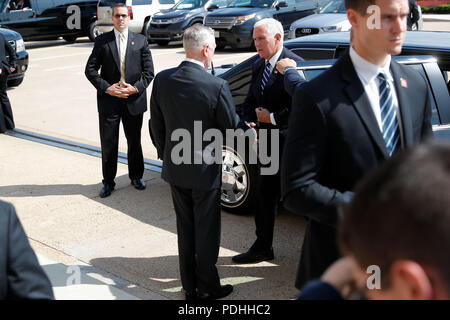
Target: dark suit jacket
{"type": "Point", "coordinates": [138, 71]}
{"type": "Point", "coordinates": [319, 290]}
{"type": "Point", "coordinates": [21, 276]}
{"type": "Point", "coordinates": [334, 139]}
{"type": "Point", "coordinates": [6, 49]}
{"type": "Point", "coordinates": [181, 96]}
{"type": "Point", "coordinates": [274, 98]}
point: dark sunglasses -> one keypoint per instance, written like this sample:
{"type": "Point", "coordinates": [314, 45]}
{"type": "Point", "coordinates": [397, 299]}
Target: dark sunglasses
{"type": "Point", "coordinates": [120, 16]}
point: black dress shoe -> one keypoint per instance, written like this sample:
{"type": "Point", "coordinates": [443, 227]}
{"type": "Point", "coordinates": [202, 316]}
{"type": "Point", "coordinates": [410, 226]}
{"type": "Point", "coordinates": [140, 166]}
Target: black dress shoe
{"type": "Point", "coordinates": [138, 184]}
{"type": "Point", "coordinates": [190, 296]}
{"type": "Point", "coordinates": [106, 190]}
{"type": "Point", "coordinates": [252, 256]}
{"type": "Point", "coordinates": [224, 291]}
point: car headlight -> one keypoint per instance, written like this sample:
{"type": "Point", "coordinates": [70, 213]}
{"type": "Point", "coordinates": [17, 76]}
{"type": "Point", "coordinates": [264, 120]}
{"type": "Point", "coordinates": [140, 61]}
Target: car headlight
{"type": "Point", "coordinates": [175, 20]}
{"type": "Point", "coordinates": [332, 28]}
{"type": "Point", "coordinates": [243, 19]}
{"type": "Point", "coordinates": [20, 46]}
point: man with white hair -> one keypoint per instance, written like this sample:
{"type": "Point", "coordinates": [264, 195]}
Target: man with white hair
{"type": "Point", "coordinates": [181, 97]}
{"type": "Point", "coordinates": [267, 106]}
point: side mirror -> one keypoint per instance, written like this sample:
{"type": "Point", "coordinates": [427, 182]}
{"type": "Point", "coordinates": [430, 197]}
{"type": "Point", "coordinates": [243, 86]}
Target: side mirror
{"type": "Point", "coordinates": [281, 4]}
{"type": "Point", "coordinates": [212, 7]}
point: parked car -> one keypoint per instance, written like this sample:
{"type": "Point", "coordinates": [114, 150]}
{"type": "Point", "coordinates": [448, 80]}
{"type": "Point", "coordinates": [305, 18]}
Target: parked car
{"type": "Point", "coordinates": [50, 19]}
{"type": "Point", "coordinates": [16, 41]}
{"type": "Point", "coordinates": [140, 12]}
{"type": "Point", "coordinates": [331, 18]}
{"type": "Point", "coordinates": [233, 25]}
{"type": "Point", "coordinates": [169, 25]}
{"type": "Point", "coordinates": [238, 192]}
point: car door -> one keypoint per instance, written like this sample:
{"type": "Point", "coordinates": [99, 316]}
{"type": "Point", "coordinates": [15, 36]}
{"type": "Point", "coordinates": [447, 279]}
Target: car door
{"type": "Point", "coordinates": [21, 21]}
{"type": "Point", "coordinates": [292, 12]}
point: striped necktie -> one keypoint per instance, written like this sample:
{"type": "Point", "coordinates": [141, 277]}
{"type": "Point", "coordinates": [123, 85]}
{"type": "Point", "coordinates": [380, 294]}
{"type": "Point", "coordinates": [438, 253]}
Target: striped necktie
{"type": "Point", "coordinates": [391, 131]}
{"type": "Point", "coordinates": [265, 77]}
{"type": "Point", "coordinates": [123, 50]}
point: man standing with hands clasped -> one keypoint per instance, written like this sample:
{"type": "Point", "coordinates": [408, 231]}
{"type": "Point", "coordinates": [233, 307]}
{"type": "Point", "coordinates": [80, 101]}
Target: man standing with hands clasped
{"type": "Point", "coordinates": [126, 71]}
{"type": "Point", "coordinates": [7, 66]}
{"type": "Point", "coordinates": [373, 109]}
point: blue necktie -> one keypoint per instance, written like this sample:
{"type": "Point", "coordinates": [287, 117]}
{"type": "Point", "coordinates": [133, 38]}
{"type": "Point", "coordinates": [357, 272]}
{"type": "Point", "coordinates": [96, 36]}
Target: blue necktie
{"type": "Point", "coordinates": [265, 77]}
{"type": "Point", "coordinates": [391, 132]}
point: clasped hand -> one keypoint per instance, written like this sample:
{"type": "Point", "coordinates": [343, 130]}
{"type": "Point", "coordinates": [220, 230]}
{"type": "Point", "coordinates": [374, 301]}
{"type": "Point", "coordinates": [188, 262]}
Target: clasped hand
{"type": "Point", "coordinates": [121, 90]}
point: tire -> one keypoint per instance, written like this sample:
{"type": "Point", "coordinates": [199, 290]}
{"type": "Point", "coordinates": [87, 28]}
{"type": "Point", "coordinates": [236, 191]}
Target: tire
{"type": "Point", "coordinates": [162, 43]}
{"type": "Point", "coordinates": [239, 181]}
{"type": "Point", "coordinates": [93, 32]}
{"type": "Point", "coordinates": [70, 39]}
{"type": "Point", "coordinates": [15, 82]}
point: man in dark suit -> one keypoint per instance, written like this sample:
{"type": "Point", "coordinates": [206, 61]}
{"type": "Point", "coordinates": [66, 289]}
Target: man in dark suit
{"type": "Point", "coordinates": [126, 71]}
{"type": "Point", "coordinates": [414, 14]}
{"type": "Point", "coordinates": [267, 104]}
{"type": "Point", "coordinates": [21, 276]}
{"type": "Point", "coordinates": [189, 99]}
{"type": "Point", "coordinates": [372, 107]}
{"type": "Point", "coordinates": [7, 67]}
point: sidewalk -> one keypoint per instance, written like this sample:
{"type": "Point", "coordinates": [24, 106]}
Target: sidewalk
{"type": "Point", "coordinates": [436, 17]}
{"type": "Point", "coordinates": [126, 244]}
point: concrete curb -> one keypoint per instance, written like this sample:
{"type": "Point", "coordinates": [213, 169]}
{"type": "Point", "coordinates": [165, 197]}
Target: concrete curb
{"type": "Point", "coordinates": [436, 17]}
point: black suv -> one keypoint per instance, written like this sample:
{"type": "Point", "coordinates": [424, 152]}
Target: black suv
{"type": "Point", "coordinates": [169, 25]}
{"type": "Point", "coordinates": [50, 19]}
{"type": "Point", "coordinates": [233, 25]}
{"type": "Point", "coordinates": [16, 41]}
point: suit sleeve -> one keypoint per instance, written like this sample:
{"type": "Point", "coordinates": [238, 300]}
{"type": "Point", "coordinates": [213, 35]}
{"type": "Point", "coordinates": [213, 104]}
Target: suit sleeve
{"type": "Point", "coordinates": [157, 125]}
{"type": "Point", "coordinates": [302, 162]}
{"type": "Point", "coordinates": [94, 63]}
{"type": "Point", "coordinates": [26, 279]}
{"type": "Point", "coordinates": [292, 81]}
{"type": "Point", "coordinates": [250, 103]}
{"type": "Point", "coordinates": [427, 128]}
{"type": "Point", "coordinates": [147, 73]}
{"type": "Point", "coordinates": [225, 110]}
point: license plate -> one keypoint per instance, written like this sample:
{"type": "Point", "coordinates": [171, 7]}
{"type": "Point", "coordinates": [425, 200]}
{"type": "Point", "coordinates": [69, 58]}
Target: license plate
{"type": "Point", "coordinates": [216, 34]}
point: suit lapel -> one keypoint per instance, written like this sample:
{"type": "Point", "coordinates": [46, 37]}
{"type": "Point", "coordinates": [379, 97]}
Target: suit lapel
{"type": "Point", "coordinates": [401, 88]}
{"type": "Point", "coordinates": [361, 103]}
{"type": "Point", "coordinates": [113, 47]}
{"type": "Point", "coordinates": [130, 42]}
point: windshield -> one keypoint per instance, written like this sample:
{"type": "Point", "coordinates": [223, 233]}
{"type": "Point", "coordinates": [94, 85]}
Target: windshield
{"type": "Point", "coordinates": [189, 4]}
{"type": "Point", "coordinates": [334, 6]}
{"type": "Point", "coordinates": [251, 3]}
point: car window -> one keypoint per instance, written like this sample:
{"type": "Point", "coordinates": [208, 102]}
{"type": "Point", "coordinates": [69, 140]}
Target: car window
{"type": "Point", "coordinates": [314, 54]}
{"type": "Point", "coordinates": [335, 6]}
{"type": "Point", "coordinates": [142, 2]}
{"type": "Point", "coordinates": [167, 1]}
{"type": "Point", "coordinates": [109, 3]}
{"type": "Point", "coordinates": [188, 4]}
{"type": "Point", "coordinates": [220, 3]}
{"type": "Point", "coordinates": [252, 3]}
{"type": "Point", "coordinates": [290, 2]}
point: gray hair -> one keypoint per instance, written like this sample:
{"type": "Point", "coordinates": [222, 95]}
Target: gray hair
{"type": "Point", "coordinates": [272, 26]}
{"type": "Point", "coordinates": [197, 36]}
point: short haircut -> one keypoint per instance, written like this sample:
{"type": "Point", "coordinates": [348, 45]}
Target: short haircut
{"type": "Point", "coordinates": [401, 210]}
{"type": "Point", "coordinates": [197, 36]}
{"type": "Point", "coordinates": [272, 26]}
{"type": "Point", "coordinates": [359, 5]}
{"type": "Point", "coordinates": [118, 5]}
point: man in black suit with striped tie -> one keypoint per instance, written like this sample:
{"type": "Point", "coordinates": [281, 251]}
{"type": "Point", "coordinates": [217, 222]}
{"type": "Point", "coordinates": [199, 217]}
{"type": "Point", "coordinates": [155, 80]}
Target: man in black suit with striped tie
{"type": "Point", "coordinates": [374, 108]}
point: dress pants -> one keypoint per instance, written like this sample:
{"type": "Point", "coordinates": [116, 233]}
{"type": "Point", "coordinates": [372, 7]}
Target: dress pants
{"type": "Point", "coordinates": [109, 137]}
{"type": "Point", "coordinates": [6, 115]}
{"type": "Point", "coordinates": [198, 229]}
{"type": "Point", "coordinates": [269, 194]}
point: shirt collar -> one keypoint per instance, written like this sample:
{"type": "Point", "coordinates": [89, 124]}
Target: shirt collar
{"type": "Point", "coordinates": [367, 70]}
{"type": "Point", "coordinates": [195, 61]}
{"type": "Point", "coordinates": [117, 33]}
{"type": "Point", "coordinates": [275, 57]}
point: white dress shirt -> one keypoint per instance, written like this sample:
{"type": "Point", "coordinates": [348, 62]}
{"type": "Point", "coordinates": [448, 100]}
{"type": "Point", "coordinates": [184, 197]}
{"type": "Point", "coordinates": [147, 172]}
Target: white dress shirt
{"type": "Point", "coordinates": [367, 73]}
{"type": "Point", "coordinates": [117, 34]}
{"type": "Point", "coordinates": [195, 61]}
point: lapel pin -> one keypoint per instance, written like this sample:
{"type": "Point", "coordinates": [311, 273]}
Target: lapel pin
{"type": "Point", "coordinates": [403, 83]}
{"type": "Point", "coordinates": [132, 43]}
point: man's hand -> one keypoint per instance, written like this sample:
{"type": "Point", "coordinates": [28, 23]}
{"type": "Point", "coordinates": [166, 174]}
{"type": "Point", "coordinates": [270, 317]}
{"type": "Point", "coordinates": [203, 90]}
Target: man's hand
{"type": "Point", "coordinates": [263, 115]}
{"type": "Point", "coordinates": [117, 91]}
{"type": "Point", "coordinates": [12, 69]}
{"type": "Point", "coordinates": [127, 88]}
{"type": "Point", "coordinates": [342, 275]}
{"type": "Point", "coordinates": [286, 62]}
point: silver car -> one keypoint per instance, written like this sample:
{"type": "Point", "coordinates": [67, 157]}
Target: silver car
{"type": "Point", "coordinates": [331, 18]}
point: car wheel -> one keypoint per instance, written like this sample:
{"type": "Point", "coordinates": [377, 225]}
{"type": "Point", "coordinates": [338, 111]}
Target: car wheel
{"type": "Point", "coordinates": [93, 31]}
{"type": "Point", "coordinates": [70, 38]}
{"type": "Point", "coordinates": [15, 82]}
{"type": "Point", "coordinates": [162, 43]}
{"type": "Point", "coordinates": [238, 183]}
{"type": "Point", "coordinates": [145, 29]}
